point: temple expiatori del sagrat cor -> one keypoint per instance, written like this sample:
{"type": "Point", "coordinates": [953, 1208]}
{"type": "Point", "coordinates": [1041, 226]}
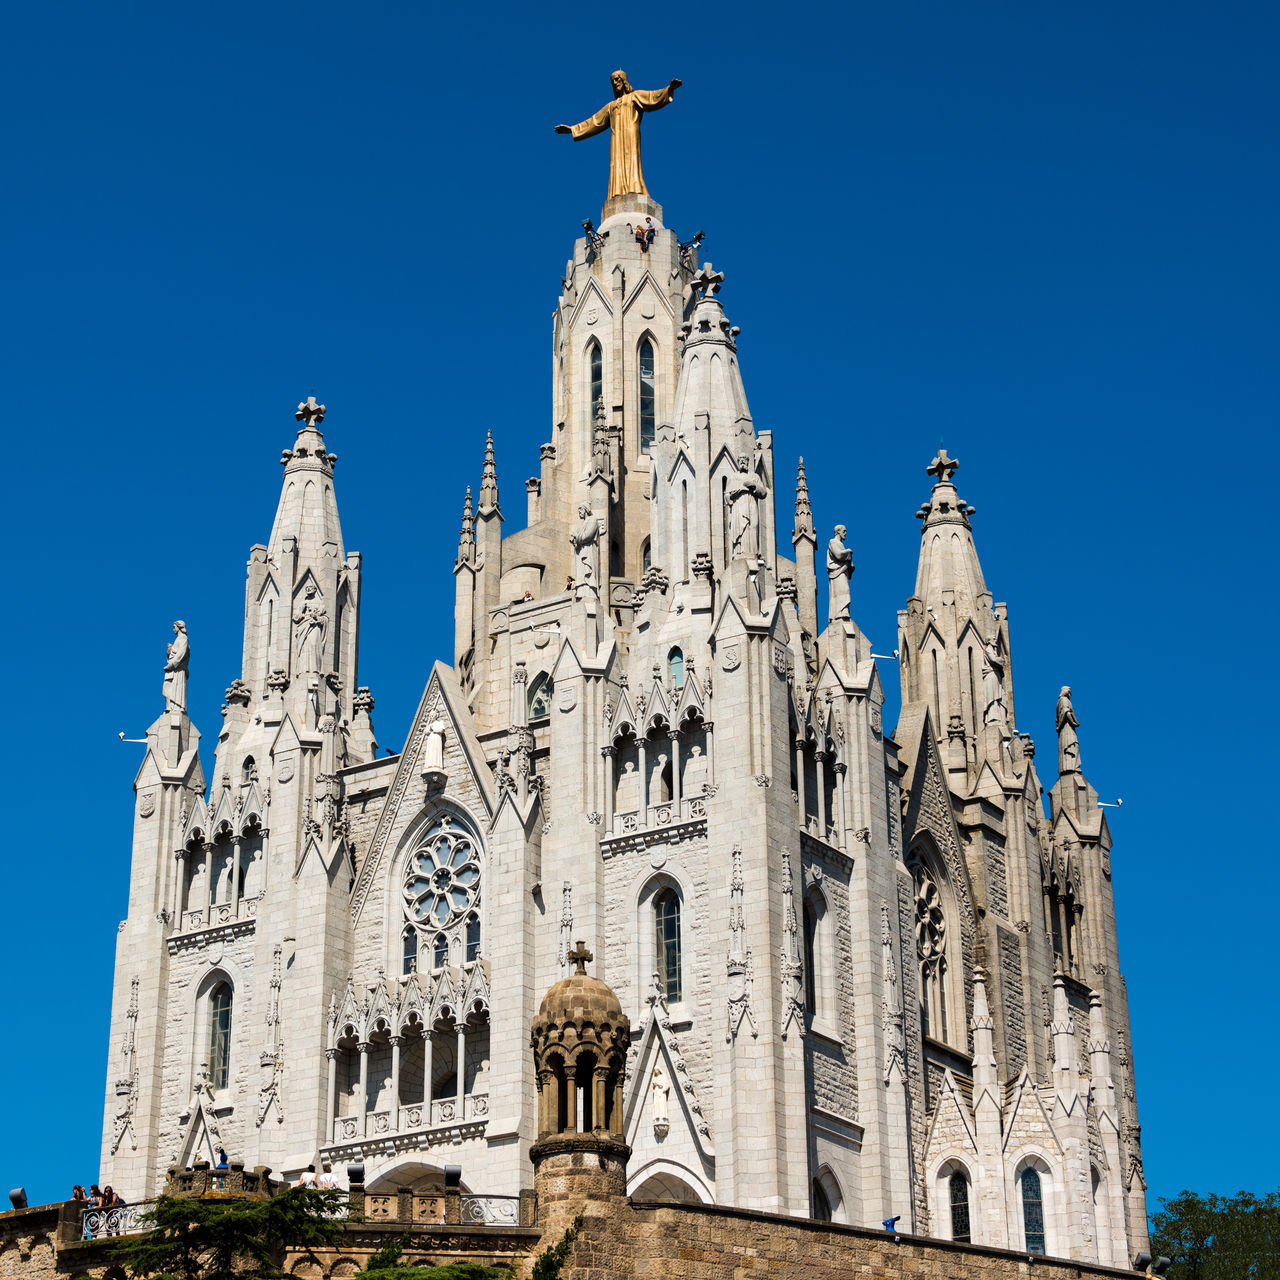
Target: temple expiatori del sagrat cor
{"type": "Point", "coordinates": [869, 971]}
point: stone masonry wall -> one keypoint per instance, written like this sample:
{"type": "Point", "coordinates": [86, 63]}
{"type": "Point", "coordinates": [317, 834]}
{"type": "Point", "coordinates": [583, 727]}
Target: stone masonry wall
{"type": "Point", "coordinates": [694, 1242]}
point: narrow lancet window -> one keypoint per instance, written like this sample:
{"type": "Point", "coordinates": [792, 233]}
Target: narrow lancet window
{"type": "Point", "coordinates": [409, 949]}
{"type": "Point", "coordinates": [959, 1188]}
{"type": "Point", "coordinates": [666, 918]}
{"type": "Point", "coordinates": [595, 364]}
{"type": "Point", "coordinates": [220, 1036]}
{"type": "Point", "coordinates": [675, 668]}
{"type": "Point", "coordinates": [1032, 1211]}
{"type": "Point", "coordinates": [647, 396]}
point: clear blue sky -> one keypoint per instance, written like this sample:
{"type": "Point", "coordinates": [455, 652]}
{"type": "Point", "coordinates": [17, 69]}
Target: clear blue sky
{"type": "Point", "coordinates": [1044, 233]}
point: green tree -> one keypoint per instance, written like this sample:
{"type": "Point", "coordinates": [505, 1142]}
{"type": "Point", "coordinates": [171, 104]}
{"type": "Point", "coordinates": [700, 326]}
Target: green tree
{"type": "Point", "coordinates": [386, 1265]}
{"type": "Point", "coordinates": [225, 1239]}
{"type": "Point", "coordinates": [1219, 1238]}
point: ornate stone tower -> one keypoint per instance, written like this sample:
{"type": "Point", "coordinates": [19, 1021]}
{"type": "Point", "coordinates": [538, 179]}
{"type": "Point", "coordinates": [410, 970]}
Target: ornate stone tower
{"type": "Point", "coordinates": [580, 1040]}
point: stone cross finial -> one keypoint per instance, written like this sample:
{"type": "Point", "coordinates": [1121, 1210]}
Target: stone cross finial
{"type": "Point", "coordinates": [708, 280]}
{"type": "Point", "coordinates": [310, 412]}
{"type": "Point", "coordinates": [579, 956]}
{"type": "Point", "coordinates": [942, 466]}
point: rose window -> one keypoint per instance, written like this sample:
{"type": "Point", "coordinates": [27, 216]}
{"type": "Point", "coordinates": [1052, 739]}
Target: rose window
{"type": "Point", "coordinates": [442, 881]}
{"type": "Point", "coordinates": [931, 924]}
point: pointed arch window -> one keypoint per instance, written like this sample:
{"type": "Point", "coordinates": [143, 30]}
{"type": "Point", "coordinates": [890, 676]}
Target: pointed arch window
{"type": "Point", "coordinates": [666, 949]}
{"type": "Point", "coordinates": [540, 697]}
{"type": "Point", "coordinates": [473, 937]}
{"type": "Point", "coordinates": [675, 668]}
{"type": "Point", "coordinates": [931, 951]}
{"type": "Point", "coordinates": [409, 949]}
{"type": "Point", "coordinates": [646, 557]}
{"type": "Point", "coordinates": [440, 951]}
{"type": "Point", "coordinates": [595, 372]}
{"type": "Point", "coordinates": [958, 1188]}
{"type": "Point", "coordinates": [220, 1036]}
{"type": "Point", "coordinates": [648, 398]}
{"type": "Point", "coordinates": [1032, 1211]}
{"type": "Point", "coordinates": [821, 1205]}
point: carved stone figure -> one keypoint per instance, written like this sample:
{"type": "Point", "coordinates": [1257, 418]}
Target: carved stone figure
{"type": "Point", "coordinates": [1068, 743]}
{"type": "Point", "coordinates": [586, 547]}
{"type": "Point", "coordinates": [839, 571]}
{"type": "Point", "coordinates": [177, 656]}
{"type": "Point", "coordinates": [745, 492]}
{"type": "Point", "coordinates": [622, 118]}
{"type": "Point", "coordinates": [993, 684]}
{"type": "Point", "coordinates": [310, 622]}
{"type": "Point", "coordinates": [433, 754]}
{"type": "Point", "coordinates": [660, 1086]}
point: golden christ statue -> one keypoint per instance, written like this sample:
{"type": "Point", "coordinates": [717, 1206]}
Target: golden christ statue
{"type": "Point", "coordinates": [622, 118]}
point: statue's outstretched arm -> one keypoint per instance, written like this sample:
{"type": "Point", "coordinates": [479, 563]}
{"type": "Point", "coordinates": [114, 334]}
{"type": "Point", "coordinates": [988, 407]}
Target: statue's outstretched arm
{"type": "Point", "coordinates": [598, 123]}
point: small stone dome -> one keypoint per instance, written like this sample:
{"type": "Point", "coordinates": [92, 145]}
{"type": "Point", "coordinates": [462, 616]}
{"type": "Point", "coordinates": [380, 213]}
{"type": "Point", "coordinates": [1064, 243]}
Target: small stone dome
{"type": "Point", "coordinates": [580, 1039]}
{"type": "Point", "coordinates": [580, 998]}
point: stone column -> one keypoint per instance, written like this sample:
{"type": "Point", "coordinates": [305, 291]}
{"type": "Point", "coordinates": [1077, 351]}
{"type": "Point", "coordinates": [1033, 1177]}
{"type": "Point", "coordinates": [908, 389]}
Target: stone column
{"type": "Point", "coordinates": [427, 1046]}
{"type": "Point", "coordinates": [841, 815]}
{"type": "Point", "coordinates": [462, 1071]}
{"type": "Point", "coordinates": [674, 735]}
{"type": "Point", "coordinates": [642, 754]}
{"type": "Point", "coordinates": [363, 1048]}
{"type": "Point", "coordinates": [820, 773]}
{"type": "Point", "coordinates": [332, 1055]}
{"type": "Point", "coordinates": [609, 783]}
{"type": "Point", "coordinates": [209, 887]}
{"type": "Point", "coordinates": [395, 1083]}
{"type": "Point", "coordinates": [800, 781]}
{"type": "Point", "coordinates": [180, 889]}
{"type": "Point", "coordinates": [600, 1083]}
{"type": "Point", "coordinates": [235, 877]}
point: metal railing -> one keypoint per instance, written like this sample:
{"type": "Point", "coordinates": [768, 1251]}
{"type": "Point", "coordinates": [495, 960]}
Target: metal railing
{"type": "Point", "coordinates": [500, 1211]}
{"type": "Point", "coordinates": [122, 1220]}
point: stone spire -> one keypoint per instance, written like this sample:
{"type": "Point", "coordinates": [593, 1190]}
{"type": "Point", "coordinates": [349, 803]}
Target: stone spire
{"type": "Point", "coordinates": [954, 639]}
{"type": "Point", "coordinates": [488, 479]}
{"type": "Point", "coordinates": [804, 513]}
{"type": "Point", "coordinates": [467, 536]}
{"type": "Point", "coordinates": [709, 392]}
{"type": "Point", "coordinates": [302, 605]}
{"type": "Point", "coordinates": [805, 541]}
{"type": "Point", "coordinates": [308, 508]}
{"type": "Point", "coordinates": [948, 557]}
{"type": "Point", "coordinates": [712, 477]}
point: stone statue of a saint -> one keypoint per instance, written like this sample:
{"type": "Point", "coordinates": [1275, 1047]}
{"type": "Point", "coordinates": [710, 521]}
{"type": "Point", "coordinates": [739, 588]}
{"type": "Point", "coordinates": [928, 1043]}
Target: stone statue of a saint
{"type": "Point", "coordinates": [622, 118]}
{"type": "Point", "coordinates": [433, 756]}
{"type": "Point", "coordinates": [993, 684]}
{"type": "Point", "coordinates": [746, 489]}
{"type": "Point", "coordinates": [660, 1085]}
{"type": "Point", "coordinates": [839, 571]}
{"type": "Point", "coordinates": [585, 538]}
{"type": "Point", "coordinates": [177, 656]}
{"type": "Point", "coordinates": [310, 622]}
{"type": "Point", "coordinates": [1068, 743]}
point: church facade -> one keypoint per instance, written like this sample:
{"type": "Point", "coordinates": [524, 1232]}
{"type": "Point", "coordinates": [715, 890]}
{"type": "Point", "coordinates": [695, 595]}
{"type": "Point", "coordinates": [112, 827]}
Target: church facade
{"type": "Point", "coordinates": [871, 972]}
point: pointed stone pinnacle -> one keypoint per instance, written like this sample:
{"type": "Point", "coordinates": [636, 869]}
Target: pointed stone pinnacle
{"type": "Point", "coordinates": [803, 508]}
{"type": "Point", "coordinates": [489, 477]}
